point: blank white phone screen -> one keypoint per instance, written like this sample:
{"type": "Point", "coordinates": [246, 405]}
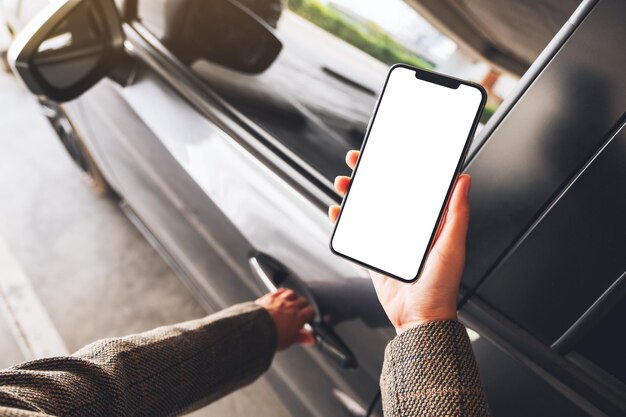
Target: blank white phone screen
{"type": "Point", "coordinates": [406, 167]}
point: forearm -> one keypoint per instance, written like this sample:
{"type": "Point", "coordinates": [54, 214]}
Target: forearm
{"type": "Point", "coordinates": [157, 373]}
{"type": "Point", "coordinates": [430, 370]}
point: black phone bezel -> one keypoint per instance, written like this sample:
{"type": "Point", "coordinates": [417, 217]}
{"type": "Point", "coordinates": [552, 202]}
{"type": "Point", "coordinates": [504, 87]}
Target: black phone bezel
{"type": "Point", "coordinates": [443, 80]}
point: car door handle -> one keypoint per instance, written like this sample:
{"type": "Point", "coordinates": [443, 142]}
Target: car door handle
{"type": "Point", "coordinates": [273, 275]}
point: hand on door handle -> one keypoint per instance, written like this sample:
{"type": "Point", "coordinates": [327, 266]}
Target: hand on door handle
{"type": "Point", "coordinates": [273, 275]}
{"type": "Point", "coordinates": [289, 312]}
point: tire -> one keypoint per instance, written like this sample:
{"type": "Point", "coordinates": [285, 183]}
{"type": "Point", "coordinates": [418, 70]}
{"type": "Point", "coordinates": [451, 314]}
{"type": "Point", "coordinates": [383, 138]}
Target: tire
{"type": "Point", "coordinates": [78, 151]}
{"type": "Point", "coordinates": [92, 175]}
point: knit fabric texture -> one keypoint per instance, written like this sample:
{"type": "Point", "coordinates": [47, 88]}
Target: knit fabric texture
{"type": "Point", "coordinates": [162, 372]}
{"type": "Point", "coordinates": [431, 371]}
{"type": "Point", "coordinates": [428, 371]}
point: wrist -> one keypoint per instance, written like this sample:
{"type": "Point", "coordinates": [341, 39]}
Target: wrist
{"type": "Point", "coordinates": [425, 319]}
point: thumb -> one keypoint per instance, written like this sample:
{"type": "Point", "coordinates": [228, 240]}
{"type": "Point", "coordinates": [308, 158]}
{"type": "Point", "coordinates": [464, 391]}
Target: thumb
{"type": "Point", "coordinates": [456, 222]}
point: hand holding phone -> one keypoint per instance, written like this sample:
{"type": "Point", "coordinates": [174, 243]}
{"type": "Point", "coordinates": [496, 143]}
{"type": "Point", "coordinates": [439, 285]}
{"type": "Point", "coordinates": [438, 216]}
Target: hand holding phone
{"type": "Point", "coordinates": [433, 296]}
{"type": "Point", "coordinates": [413, 151]}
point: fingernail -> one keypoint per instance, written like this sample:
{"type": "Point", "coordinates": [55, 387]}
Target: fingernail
{"type": "Point", "coordinates": [469, 184]}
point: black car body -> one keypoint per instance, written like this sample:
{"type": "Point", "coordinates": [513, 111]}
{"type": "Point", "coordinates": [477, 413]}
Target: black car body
{"type": "Point", "coordinates": [229, 175]}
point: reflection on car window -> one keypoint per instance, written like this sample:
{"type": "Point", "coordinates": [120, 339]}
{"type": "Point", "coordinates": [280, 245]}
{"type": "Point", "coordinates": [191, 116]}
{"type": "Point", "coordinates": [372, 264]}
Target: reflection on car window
{"type": "Point", "coordinates": [317, 95]}
{"type": "Point", "coordinates": [304, 101]}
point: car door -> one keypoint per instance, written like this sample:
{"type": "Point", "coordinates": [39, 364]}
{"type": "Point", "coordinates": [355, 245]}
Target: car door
{"type": "Point", "coordinates": [544, 277]}
{"type": "Point", "coordinates": [230, 207]}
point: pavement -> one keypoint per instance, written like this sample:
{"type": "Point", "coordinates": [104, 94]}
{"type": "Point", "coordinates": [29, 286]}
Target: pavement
{"type": "Point", "coordinates": [73, 269]}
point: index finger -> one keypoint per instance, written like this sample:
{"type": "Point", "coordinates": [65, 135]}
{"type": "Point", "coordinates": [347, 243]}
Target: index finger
{"type": "Point", "coordinates": [351, 158]}
{"type": "Point", "coordinates": [307, 314]}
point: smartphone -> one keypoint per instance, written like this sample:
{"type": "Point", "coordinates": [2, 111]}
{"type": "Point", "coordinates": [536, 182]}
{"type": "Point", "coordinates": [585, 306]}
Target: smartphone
{"type": "Point", "coordinates": [413, 150]}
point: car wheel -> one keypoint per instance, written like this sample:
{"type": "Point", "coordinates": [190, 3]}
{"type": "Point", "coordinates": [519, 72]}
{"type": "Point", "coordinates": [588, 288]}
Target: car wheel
{"type": "Point", "coordinates": [92, 175]}
{"type": "Point", "coordinates": [79, 153]}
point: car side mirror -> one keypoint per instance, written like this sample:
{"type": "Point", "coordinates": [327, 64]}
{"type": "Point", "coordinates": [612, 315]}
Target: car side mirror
{"type": "Point", "coordinates": [68, 48]}
{"type": "Point", "coordinates": [220, 31]}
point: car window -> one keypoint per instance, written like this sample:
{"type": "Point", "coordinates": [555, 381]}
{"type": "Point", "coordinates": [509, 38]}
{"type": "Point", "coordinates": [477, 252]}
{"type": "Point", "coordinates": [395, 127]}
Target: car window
{"type": "Point", "coordinates": [317, 96]}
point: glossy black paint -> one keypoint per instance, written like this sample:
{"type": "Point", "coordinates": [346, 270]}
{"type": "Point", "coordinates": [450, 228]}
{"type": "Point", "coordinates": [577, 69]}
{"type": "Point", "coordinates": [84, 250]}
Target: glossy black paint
{"type": "Point", "coordinates": [558, 123]}
{"type": "Point", "coordinates": [604, 346]}
{"type": "Point", "coordinates": [546, 237]}
{"type": "Point", "coordinates": [510, 385]}
{"type": "Point", "coordinates": [594, 315]}
{"type": "Point", "coordinates": [572, 255]}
